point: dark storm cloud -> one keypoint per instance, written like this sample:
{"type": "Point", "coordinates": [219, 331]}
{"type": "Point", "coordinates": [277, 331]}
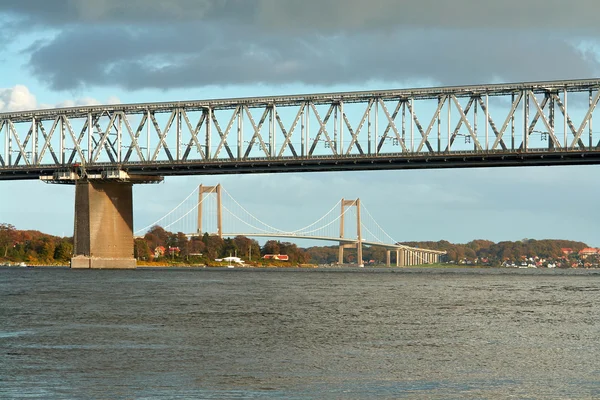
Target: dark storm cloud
{"type": "Point", "coordinates": [67, 12]}
{"type": "Point", "coordinates": [189, 43]}
{"type": "Point", "coordinates": [580, 15]}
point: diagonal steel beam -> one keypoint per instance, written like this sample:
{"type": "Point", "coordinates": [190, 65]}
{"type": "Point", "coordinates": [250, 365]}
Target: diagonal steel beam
{"type": "Point", "coordinates": [463, 117]}
{"type": "Point", "coordinates": [256, 134]}
{"type": "Point", "coordinates": [102, 141]}
{"type": "Point", "coordinates": [434, 119]}
{"type": "Point", "coordinates": [134, 138]}
{"type": "Point", "coordinates": [459, 124]}
{"type": "Point", "coordinates": [288, 135]}
{"type": "Point", "coordinates": [391, 125]}
{"type": "Point", "coordinates": [194, 136]}
{"type": "Point", "coordinates": [322, 129]}
{"type": "Point", "coordinates": [25, 142]}
{"type": "Point", "coordinates": [565, 114]}
{"type": "Point", "coordinates": [508, 119]}
{"type": "Point", "coordinates": [490, 121]}
{"type": "Point", "coordinates": [586, 120]}
{"type": "Point", "coordinates": [162, 135]}
{"type": "Point", "coordinates": [419, 126]}
{"type": "Point", "coordinates": [47, 139]}
{"type": "Point", "coordinates": [224, 135]}
{"type": "Point", "coordinates": [22, 151]}
{"type": "Point", "coordinates": [540, 112]}
{"type": "Point", "coordinates": [76, 143]}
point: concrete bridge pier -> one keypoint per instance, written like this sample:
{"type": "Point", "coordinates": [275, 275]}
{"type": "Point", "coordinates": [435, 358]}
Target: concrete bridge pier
{"type": "Point", "coordinates": [103, 232]}
{"type": "Point", "coordinates": [400, 258]}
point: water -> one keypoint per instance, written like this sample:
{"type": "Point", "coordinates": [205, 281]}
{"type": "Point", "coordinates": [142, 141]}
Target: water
{"type": "Point", "coordinates": [149, 334]}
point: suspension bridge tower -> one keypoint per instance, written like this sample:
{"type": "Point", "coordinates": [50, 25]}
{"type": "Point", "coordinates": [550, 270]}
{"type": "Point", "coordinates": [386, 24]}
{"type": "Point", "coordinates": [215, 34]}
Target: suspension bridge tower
{"type": "Point", "coordinates": [345, 244]}
{"type": "Point", "coordinates": [202, 190]}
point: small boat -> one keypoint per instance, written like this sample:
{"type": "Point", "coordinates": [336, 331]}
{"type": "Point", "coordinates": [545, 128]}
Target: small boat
{"type": "Point", "coordinates": [230, 266]}
{"type": "Point", "coordinates": [22, 264]}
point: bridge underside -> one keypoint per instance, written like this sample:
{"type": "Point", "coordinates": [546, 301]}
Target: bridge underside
{"type": "Point", "coordinates": [355, 163]}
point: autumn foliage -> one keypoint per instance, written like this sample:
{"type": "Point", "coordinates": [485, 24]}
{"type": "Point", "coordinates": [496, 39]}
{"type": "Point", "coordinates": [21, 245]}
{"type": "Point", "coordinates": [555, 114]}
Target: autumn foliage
{"type": "Point", "coordinates": [33, 247]}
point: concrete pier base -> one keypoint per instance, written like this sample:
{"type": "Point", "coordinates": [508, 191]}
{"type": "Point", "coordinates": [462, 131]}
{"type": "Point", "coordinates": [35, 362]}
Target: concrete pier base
{"type": "Point", "coordinates": [83, 262]}
{"type": "Point", "coordinates": [103, 225]}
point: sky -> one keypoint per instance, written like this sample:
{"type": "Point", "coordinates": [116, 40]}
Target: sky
{"type": "Point", "coordinates": [67, 52]}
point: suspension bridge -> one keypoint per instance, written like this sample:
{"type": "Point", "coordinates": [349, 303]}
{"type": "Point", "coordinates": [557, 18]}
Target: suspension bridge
{"type": "Point", "coordinates": [213, 210]}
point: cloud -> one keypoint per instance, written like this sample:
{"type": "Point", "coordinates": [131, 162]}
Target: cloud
{"type": "Point", "coordinates": [84, 57]}
{"type": "Point", "coordinates": [323, 16]}
{"type": "Point", "coordinates": [20, 98]}
{"type": "Point", "coordinates": [142, 44]}
{"type": "Point", "coordinates": [17, 98]}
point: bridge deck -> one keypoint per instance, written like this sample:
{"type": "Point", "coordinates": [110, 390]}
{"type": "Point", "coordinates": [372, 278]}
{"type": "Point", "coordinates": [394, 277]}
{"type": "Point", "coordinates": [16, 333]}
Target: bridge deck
{"type": "Point", "coordinates": [517, 124]}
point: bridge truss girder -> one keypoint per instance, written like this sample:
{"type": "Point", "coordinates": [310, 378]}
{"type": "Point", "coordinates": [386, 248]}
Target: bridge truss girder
{"type": "Point", "coordinates": [412, 128]}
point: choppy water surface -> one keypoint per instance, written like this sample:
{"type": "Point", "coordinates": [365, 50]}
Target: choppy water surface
{"type": "Point", "coordinates": [294, 334]}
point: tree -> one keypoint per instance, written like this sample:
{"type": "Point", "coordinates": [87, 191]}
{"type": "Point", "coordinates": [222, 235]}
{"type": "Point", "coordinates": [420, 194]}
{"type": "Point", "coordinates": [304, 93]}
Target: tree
{"type": "Point", "coordinates": [323, 255]}
{"type": "Point", "coordinates": [196, 245]}
{"type": "Point", "coordinates": [271, 247]}
{"type": "Point", "coordinates": [141, 250]}
{"type": "Point", "coordinates": [63, 251]}
{"type": "Point", "coordinates": [214, 247]}
{"type": "Point", "coordinates": [7, 237]}
{"type": "Point", "coordinates": [157, 236]}
{"type": "Point", "coordinates": [182, 242]}
{"type": "Point", "coordinates": [246, 247]}
{"type": "Point", "coordinates": [229, 248]}
{"type": "Point", "coordinates": [47, 249]}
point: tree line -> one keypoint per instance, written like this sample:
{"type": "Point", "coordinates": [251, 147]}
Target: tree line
{"type": "Point", "coordinates": [160, 244]}
{"type": "Point", "coordinates": [496, 253]}
{"type": "Point", "coordinates": [34, 247]}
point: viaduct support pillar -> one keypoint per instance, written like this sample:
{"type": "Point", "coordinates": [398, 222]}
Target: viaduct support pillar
{"type": "Point", "coordinates": [387, 258]}
{"type": "Point", "coordinates": [103, 225]}
{"type": "Point", "coordinates": [103, 234]}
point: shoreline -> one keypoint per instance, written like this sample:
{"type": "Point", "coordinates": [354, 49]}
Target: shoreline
{"type": "Point", "coordinates": [349, 269]}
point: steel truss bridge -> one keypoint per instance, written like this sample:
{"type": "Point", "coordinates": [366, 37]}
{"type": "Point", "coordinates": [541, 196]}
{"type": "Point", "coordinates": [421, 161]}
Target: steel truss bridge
{"type": "Point", "coordinates": [348, 223]}
{"type": "Point", "coordinates": [538, 123]}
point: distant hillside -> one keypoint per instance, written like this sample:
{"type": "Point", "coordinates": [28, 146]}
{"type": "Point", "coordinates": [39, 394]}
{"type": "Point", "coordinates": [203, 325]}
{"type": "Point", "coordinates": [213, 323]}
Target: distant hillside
{"type": "Point", "coordinates": [547, 248]}
{"type": "Point", "coordinates": [33, 247]}
{"type": "Point", "coordinates": [496, 253]}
